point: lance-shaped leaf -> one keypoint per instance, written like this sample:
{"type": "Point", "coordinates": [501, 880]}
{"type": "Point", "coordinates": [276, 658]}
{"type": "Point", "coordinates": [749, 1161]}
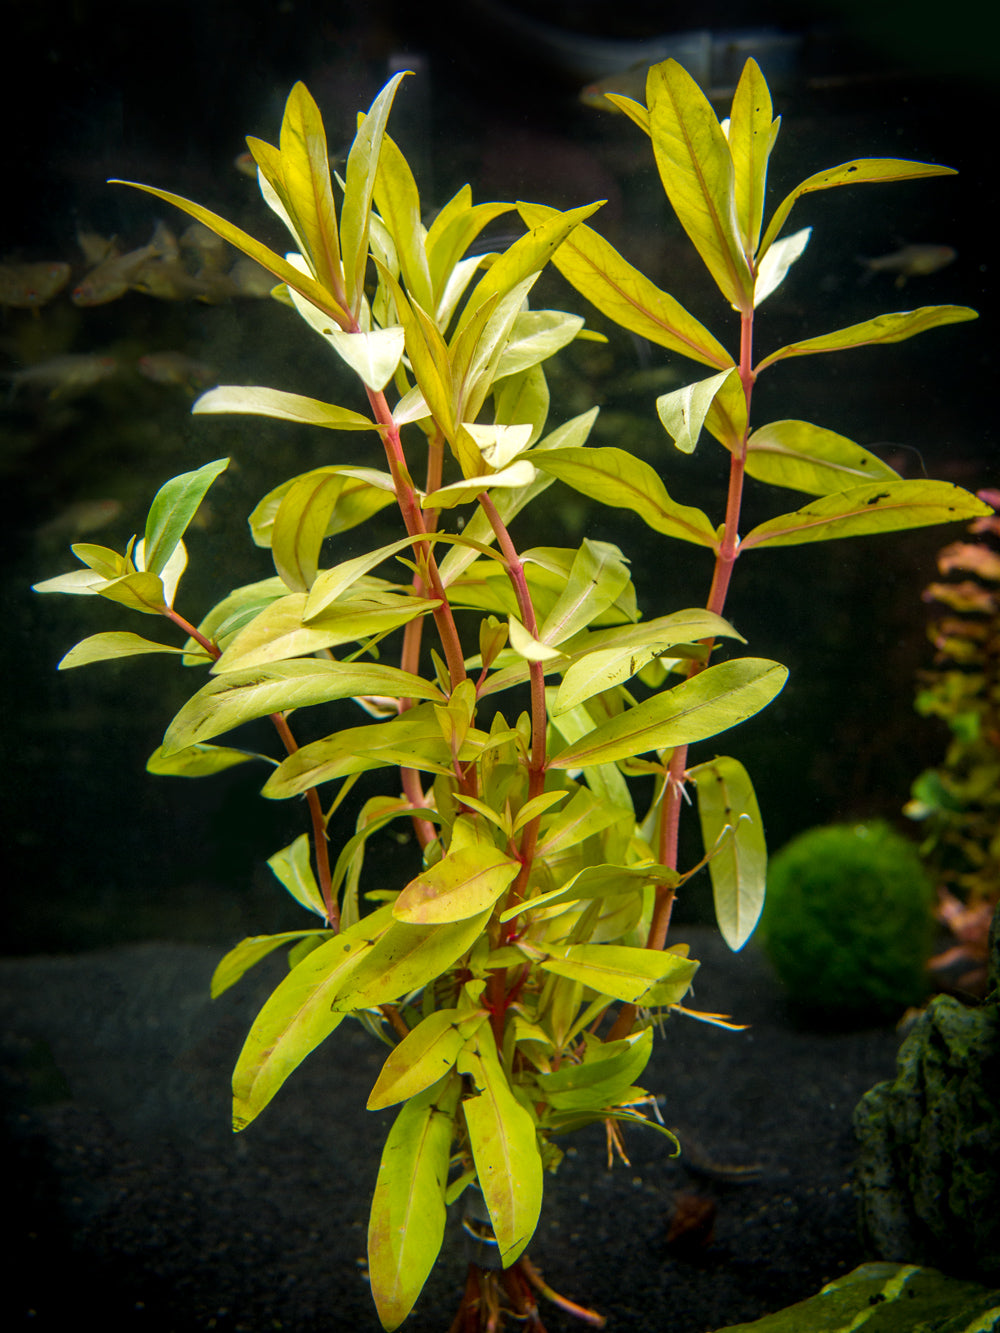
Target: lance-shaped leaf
{"type": "Point", "coordinates": [683, 411]}
{"type": "Point", "coordinates": [618, 970]}
{"type": "Point", "coordinates": [360, 175]}
{"type": "Point", "coordinates": [516, 477]}
{"type": "Point", "coordinates": [597, 577]}
{"type": "Point", "coordinates": [751, 137]}
{"type": "Point", "coordinates": [712, 701]}
{"type": "Point", "coordinates": [247, 954]}
{"type": "Point", "coordinates": [140, 591]}
{"type": "Point", "coordinates": [696, 169]}
{"type": "Point", "coordinates": [535, 336]}
{"type": "Point", "coordinates": [859, 171]}
{"type": "Point", "coordinates": [303, 283]}
{"type": "Point", "coordinates": [298, 1016]}
{"type": "Point", "coordinates": [862, 510]}
{"type": "Point", "coordinates": [261, 402]}
{"type": "Point", "coordinates": [364, 492]}
{"type": "Point", "coordinates": [239, 696]}
{"type": "Point", "coordinates": [891, 328]}
{"type": "Point", "coordinates": [738, 867]}
{"type": "Point", "coordinates": [617, 478]}
{"type": "Point", "coordinates": [305, 189]}
{"type": "Point", "coordinates": [407, 1221]}
{"type": "Point", "coordinates": [803, 457]}
{"type": "Point", "coordinates": [599, 881]}
{"type": "Point", "coordinates": [292, 868]}
{"type": "Point", "coordinates": [451, 233]}
{"type": "Point", "coordinates": [411, 741]}
{"type": "Point", "coordinates": [620, 291]}
{"type": "Point", "coordinates": [525, 258]}
{"type": "Point", "coordinates": [173, 508]}
{"type": "Point", "coordinates": [113, 644]}
{"type": "Point", "coordinates": [406, 958]}
{"type": "Point", "coordinates": [424, 1056]}
{"type": "Point", "coordinates": [197, 761]}
{"type": "Point", "coordinates": [279, 631]}
{"type": "Point", "coordinates": [604, 1075]}
{"type": "Point", "coordinates": [504, 1148]}
{"type": "Point", "coordinates": [464, 883]}
{"type": "Point", "coordinates": [776, 263]}
{"type": "Point", "coordinates": [300, 526]}
{"type": "Point", "coordinates": [398, 203]}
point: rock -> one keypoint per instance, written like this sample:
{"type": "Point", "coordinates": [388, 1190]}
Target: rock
{"type": "Point", "coordinates": [928, 1172]}
{"type": "Point", "coordinates": [887, 1298]}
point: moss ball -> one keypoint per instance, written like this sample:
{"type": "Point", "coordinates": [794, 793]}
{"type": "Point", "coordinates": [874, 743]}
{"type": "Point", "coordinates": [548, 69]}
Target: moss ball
{"type": "Point", "coordinates": [847, 922]}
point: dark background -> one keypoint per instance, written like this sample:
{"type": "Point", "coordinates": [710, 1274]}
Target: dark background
{"type": "Point", "coordinates": [99, 852]}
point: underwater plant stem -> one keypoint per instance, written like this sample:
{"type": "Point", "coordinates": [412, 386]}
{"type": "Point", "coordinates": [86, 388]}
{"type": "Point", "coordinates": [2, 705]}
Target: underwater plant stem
{"type": "Point", "coordinates": [413, 518]}
{"type": "Point", "coordinates": [312, 795]}
{"type": "Point", "coordinates": [722, 573]}
{"type": "Point", "coordinates": [536, 672]}
{"type": "Point", "coordinates": [318, 828]}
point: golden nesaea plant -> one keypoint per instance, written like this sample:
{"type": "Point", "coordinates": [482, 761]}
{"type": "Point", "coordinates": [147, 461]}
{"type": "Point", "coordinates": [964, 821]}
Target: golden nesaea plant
{"type": "Point", "coordinates": [520, 977]}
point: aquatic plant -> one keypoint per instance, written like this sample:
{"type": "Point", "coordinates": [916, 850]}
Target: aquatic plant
{"type": "Point", "coordinates": [521, 975]}
{"type": "Point", "coordinates": [847, 922]}
{"type": "Point", "coordinates": [958, 801]}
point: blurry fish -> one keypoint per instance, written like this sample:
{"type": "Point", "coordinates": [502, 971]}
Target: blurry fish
{"type": "Point", "coordinates": [251, 279]}
{"type": "Point", "coordinates": [912, 261]}
{"type": "Point", "coordinates": [168, 279]}
{"type": "Point", "coordinates": [177, 368]}
{"type": "Point", "coordinates": [66, 374]}
{"type": "Point", "coordinates": [209, 251]}
{"type": "Point", "coordinates": [79, 518]}
{"type": "Point", "coordinates": [29, 286]}
{"type": "Point", "coordinates": [113, 276]}
{"type": "Point", "coordinates": [96, 248]}
{"type": "Point", "coordinates": [626, 82]}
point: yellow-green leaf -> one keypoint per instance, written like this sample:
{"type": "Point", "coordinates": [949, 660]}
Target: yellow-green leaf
{"type": "Point", "coordinates": [696, 169]}
{"type": "Point", "coordinates": [112, 644]}
{"type": "Point", "coordinates": [408, 1214]}
{"type": "Point", "coordinates": [617, 970]}
{"type": "Point", "coordinates": [712, 701]}
{"type": "Point", "coordinates": [292, 868]}
{"type": "Point", "coordinates": [463, 883]}
{"type": "Point", "coordinates": [876, 507]}
{"type": "Point", "coordinates": [303, 283]}
{"type": "Point", "coordinates": [196, 761]}
{"type": "Point", "coordinates": [620, 291]}
{"type": "Point", "coordinates": [738, 867]}
{"type": "Point", "coordinates": [298, 1017]}
{"type": "Point", "coordinates": [424, 1056]}
{"type": "Point", "coordinates": [504, 1148]}
{"type": "Point", "coordinates": [284, 406]}
{"type": "Point", "coordinates": [239, 696]}
{"type": "Point", "coordinates": [360, 175]}
{"type": "Point", "coordinates": [683, 411]}
{"type": "Point", "coordinates": [803, 457]}
{"type": "Point", "coordinates": [859, 171]}
{"type": "Point", "coordinates": [618, 478]}
{"type": "Point", "coordinates": [280, 632]}
{"type": "Point", "coordinates": [247, 953]}
{"type": "Point", "coordinates": [891, 328]}
{"type": "Point", "coordinates": [307, 193]}
{"type": "Point", "coordinates": [751, 137]}
{"type": "Point", "coordinates": [406, 958]}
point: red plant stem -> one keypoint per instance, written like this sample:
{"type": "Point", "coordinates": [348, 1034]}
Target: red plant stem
{"type": "Point", "coordinates": [312, 795]}
{"type": "Point", "coordinates": [724, 561]}
{"type": "Point", "coordinates": [416, 526]}
{"type": "Point", "coordinates": [536, 673]}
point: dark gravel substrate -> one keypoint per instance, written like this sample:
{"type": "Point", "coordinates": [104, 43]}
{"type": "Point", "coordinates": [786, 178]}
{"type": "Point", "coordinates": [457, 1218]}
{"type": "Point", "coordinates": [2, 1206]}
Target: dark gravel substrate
{"type": "Point", "coordinates": [135, 1207]}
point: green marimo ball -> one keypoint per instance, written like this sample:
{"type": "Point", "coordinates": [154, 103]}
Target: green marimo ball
{"type": "Point", "coordinates": [847, 922]}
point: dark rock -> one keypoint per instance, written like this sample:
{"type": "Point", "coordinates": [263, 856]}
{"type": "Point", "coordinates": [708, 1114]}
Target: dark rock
{"type": "Point", "coordinates": [929, 1166]}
